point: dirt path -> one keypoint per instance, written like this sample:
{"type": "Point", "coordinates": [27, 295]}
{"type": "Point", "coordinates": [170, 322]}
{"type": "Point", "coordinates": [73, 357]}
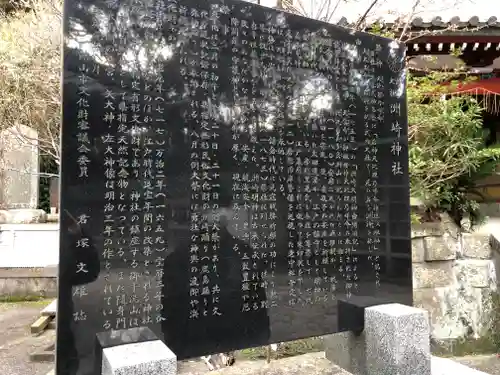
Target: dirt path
{"type": "Point", "coordinates": [487, 363]}
{"type": "Point", "coordinates": [16, 341]}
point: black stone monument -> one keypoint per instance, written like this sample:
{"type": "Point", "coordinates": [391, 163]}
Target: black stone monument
{"type": "Point", "coordinates": [229, 173]}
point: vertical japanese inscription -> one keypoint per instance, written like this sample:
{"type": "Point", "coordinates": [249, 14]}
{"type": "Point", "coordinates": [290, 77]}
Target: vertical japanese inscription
{"type": "Point", "coordinates": [373, 96]}
{"type": "Point", "coordinates": [113, 310]}
{"type": "Point", "coordinates": [201, 80]}
{"type": "Point", "coordinates": [80, 227]}
{"type": "Point", "coordinates": [271, 133]}
{"type": "Point", "coordinates": [154, 108]}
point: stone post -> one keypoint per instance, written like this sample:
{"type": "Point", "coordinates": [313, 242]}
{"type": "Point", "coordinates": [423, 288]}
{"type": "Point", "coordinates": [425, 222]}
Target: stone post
{"type": "Point", "coordinates": [347, 350]}
{"type": "Point", "coordinates": [134, 351]}
{"type": "Point", "coordinates": [397, 340]}
{"type": "Point", "coordinates": [144, 358]}
{"type": "Point", "coordinates": [20, 167]}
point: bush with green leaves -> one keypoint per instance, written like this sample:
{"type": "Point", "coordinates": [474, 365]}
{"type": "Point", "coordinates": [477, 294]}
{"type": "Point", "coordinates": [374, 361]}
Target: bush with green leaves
{"type": "Point", "coordinates": [447, 148]}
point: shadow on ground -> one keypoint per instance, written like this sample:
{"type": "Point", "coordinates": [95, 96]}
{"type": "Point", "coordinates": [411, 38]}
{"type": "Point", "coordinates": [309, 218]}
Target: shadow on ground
{"type": "Point", "coordinates": [17, 343]}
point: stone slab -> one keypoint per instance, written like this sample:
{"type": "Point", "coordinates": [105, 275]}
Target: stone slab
{"type": "Point", "coordinates": [495, 242]}
{"type": "Point", "coordinates": [306, 364]}
{"type": "Point", "coordinates": [439, 248]}
{"type": "Point", "coordinates": [431, 300]}
{"type": "Point", "coordinates": [40, 324]}
{"type": "Point", "coordinates": [346, 350]}
{"type": "Point", "coordinates": [477, 273]}
{"type": "Point", "coordinates": [397, 340]}
{"type": "Point", "coordinates": [29, 245]}
{"type": "Point", "coordinates": [145, 358]}
{"type": "Point", "coordinates": [476, 246]}
{"type": "Point", "coordinates": [488, 363]}
{"type": "Point", "coordinates": [50, 309]}
{"type": "Point", "coordinates": [417, 250]}
{"type": "Point", "coordinates": [47, 354]}
{"type": "Point", "coordinates": [27, 216]}
{"type": "Point", "coordinates": [19, 180]}
{"type": "Point", "coordinates": [31, 272]}
{"type": "Point", "coordinates": [432, 274]}
{"type": "Point", "coordinates": [446, 366]}
{"type": "Point", "coordinates": [23, 287]}
{"type": "Point", "coordinates": [30, 227]}
{"type": "Point", "coordinates": [427, 229]}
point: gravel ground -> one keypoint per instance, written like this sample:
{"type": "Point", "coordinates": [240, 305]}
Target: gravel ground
{"type": "Point", "coordinates": [310, 364]}
{"type": "Point", "coordinates": [17, 343]}
{"type": "Point", "coordinates": [487, 363]}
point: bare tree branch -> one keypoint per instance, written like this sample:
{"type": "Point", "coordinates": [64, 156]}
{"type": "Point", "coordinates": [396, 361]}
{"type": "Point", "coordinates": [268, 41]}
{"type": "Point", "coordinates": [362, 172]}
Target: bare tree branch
{"type": "Point", "coordinates": [41, 174]}
{"type": "Point", "coordinates": [363, 17]}
{"type": "Point", "coordinates": [329, 16]}
{"type": "Point", "coordinates": [30, 65]}
{"type": "Point", "coordinates": [409, 19]}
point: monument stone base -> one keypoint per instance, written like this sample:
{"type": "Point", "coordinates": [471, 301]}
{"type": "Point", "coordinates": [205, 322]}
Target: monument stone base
{"type": "Point", "coordinates": [143, 358]}
{"type": "Point", "coordinates": [347, 350]}
{"type": "Point", "coordinates": [135, 351]}
{"type": "Point", "coordinates": [395, 341]}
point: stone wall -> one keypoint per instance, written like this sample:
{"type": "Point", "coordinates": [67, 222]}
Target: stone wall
{"type": "Point", "coordinates": [29, 245]}
{"type": "Point", "coordinates": [454, 277]}
{"type": "Point", "coordinates": [28, 282]}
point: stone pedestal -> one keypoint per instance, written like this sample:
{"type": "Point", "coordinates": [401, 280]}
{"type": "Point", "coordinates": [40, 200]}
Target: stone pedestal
{"type": "Point", "coordinates": [144, 358]}
{"type": "Point", "coordinates": [397, 340]}
{"type": "Point", "coordinates": [19, 167]}
{"type": "Point", "coordinates": [347, 350]}
{"type": "Point", "coordinates": [135, 351]}
{"type": "Point", "coordinates": [446, 366]}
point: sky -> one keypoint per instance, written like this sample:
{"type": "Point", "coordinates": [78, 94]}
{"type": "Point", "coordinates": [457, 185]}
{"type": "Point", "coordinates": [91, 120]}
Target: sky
{"type": "Point", "coordinates": [390, 9]}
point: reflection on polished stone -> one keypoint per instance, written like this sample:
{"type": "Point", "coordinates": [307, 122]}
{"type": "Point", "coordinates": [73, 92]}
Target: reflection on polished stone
{"type": "Point", "coordinates": [125, 336]}
{"type": "Point", "coordinates": [229, 172]}
{"type": "Point", "coordinates": [109, 339]}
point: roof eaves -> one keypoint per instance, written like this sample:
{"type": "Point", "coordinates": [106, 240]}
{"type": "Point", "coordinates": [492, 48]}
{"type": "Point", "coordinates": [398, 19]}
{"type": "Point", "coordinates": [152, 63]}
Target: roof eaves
{"type": "Point", "coordinates": [434, 23]}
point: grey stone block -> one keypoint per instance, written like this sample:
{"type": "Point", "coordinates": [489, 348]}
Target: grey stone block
{"type": "Point", "coordinates": [427, 229]}
{"type": "Point", "coordinates": [433, 274]}
{"type": "Point", "coordinates": [476, 246]}
{"type": "Point", "coordinates": [476, 273]}
{"type": "Point", "coordinates": [446, 366]}
{"type": "Point", "coordinates": [397, 340]}
{"type": "Point", "coordinates": [145, 358]}
{"type": "Point", "coordinates": [26, 216]}
{"type": "Point", "coordinates": [431, 300]}
{"type": "Point", "coordinates": [347, 351]}
{"type": "Point", "coordinates": [449, 226]}
{"type": "Point", "coordinates": [417, 250]}
{"type": "Point", "coordinates": [494, 242]}
{"type": "Point", "coordinates": [439, 248]}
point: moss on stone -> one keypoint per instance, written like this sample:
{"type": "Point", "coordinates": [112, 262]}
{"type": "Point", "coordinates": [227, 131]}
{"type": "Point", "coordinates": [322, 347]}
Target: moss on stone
{"type": "Point", "coordinates": [28, 298]}
{"type": "Point", "coordinates": [488, 343]}
{"type": "Point", "coordinates": [463, 347]}
{"type": "Point", "coordinates": [494, 328]}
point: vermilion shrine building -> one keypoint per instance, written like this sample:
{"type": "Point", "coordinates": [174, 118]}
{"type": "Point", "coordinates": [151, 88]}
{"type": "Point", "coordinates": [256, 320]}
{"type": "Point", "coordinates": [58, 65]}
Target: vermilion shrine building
{"type": "Point", "coordinates": [429, 47]}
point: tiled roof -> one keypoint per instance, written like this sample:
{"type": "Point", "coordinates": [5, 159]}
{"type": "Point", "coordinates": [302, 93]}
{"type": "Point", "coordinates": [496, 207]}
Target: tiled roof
{"type": "Point", "coordinates": [437, 22]}
{"type": "Point", "coordinates": [427, 13]}
{"type": "Point", "coordinates": [422, 11]}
